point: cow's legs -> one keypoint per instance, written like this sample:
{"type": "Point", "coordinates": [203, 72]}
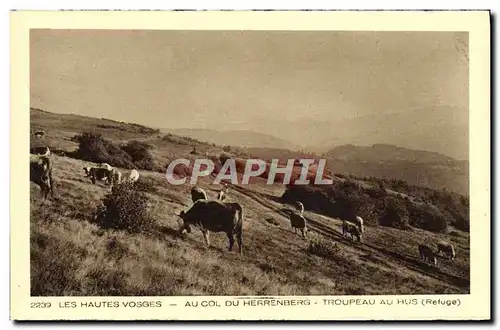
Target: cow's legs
{"type": "Point", "coordinates": [231, 241]}
{"type": "Point", "coordinates": [206, 237]}
{"type": "Point", "coordinates": [239, 237]}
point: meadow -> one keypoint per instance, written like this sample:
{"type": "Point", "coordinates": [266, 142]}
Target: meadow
{"type": "Point", "coordinates": [72, 254]}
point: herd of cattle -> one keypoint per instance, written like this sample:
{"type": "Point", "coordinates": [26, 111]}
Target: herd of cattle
{"type": "Point", "coordinates": [209, 215]}
{"type": "Point", "coordinates": [41, 172]}
{"type": "Point", "coordinates": [217, 216]}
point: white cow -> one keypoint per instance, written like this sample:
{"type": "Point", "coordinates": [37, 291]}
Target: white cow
{"type": "Point", "coordinates": [134, 176]}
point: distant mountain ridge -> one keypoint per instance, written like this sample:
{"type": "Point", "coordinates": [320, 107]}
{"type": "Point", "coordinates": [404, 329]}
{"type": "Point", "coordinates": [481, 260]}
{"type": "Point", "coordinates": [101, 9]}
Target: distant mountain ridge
{"type": "Point", "coordinates": [239, 138]}
{"type": "Point", "coordinates": [380, 152]}
{"type": "Point", "coordinates": [442, 129]}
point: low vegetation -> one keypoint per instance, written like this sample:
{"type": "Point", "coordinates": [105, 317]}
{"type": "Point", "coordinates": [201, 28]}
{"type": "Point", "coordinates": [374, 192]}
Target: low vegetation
{"type": "Point", "coordinates": [95, 148]}
{"type": "Point", "coordinates": [125, 208]}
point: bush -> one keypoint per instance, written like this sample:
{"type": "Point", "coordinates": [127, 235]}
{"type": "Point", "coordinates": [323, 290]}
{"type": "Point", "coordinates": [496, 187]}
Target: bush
{"type": "Point", "coordinates": [94, 148]}
{"type": "Point", "coordinates": [125, 208]}
{"type": "Point", "coordinates": [139, 151]}
{"type": "Point", "coordinates": [427, 217]}
{"type": "Point", "coordinates": [322, 248]}
{"type": "Point", "coordinates": [394, 214]}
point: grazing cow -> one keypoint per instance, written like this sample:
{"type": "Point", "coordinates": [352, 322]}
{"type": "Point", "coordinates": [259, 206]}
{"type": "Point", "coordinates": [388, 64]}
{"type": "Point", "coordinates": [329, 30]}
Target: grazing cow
{"type": "Point", "coordinates": [41, 174]}
{"type": "Point", "coordinates": [221, 196]}
{"type": "Point", "coordinates": [426, 254]}
{"type": "Point", "coordinates": [197, 194]}
{"type": "Point", "coordinates": [97, 173]}
{"type": "Point", "coordinates": [351, 229]}
{"type": "Point", "coordinates": [447, 249]}
{"type": "Point", "coordinates": [134, 176]}
{"type": "Point", "coordinates": [215, 216]}
{"type": "Point", "coordinates": [41, 151]}
{"type": "Point", "coordinates": [298, 221]}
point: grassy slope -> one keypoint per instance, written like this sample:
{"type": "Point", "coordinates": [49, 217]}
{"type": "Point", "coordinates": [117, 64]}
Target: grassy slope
{"type": "Point", "coordinates": [72, 256]}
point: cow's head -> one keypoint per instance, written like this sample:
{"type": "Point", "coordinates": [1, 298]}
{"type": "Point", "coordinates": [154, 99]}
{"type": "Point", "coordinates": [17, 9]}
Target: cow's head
{"type": "Point", "coordinates": [183, 223]}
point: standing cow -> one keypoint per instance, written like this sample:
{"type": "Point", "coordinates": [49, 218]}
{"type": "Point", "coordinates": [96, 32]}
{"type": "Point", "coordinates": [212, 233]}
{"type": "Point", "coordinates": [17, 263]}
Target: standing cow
{"type": "Point", "coordinates": [426, 254]}
{"type": "Point", "coordinates": [97, 173]}
{"type": "Point", "coordinates": [41, 174]}
{"type": "Point", "coordinates": [298, 221]}
{"type": "Point", "coordinates": [447, 249]}
{"type": "Point", "coordinates": [351, 229]}
{"type": "Point", "coordinates": [215, 216]}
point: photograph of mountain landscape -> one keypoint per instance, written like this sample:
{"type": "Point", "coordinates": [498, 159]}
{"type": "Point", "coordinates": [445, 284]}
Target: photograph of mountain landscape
{"type": "Point", "coordinates": [110, 110]}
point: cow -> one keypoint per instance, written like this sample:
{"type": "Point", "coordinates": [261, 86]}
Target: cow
{"type": "Point", "coordinates": [197, 194]}
{"type": "Point", "coordinates": [298, 221]}
{"type": "Point", "coordinates": [447, 249]}
{"type": "Point", "coordinates": [41, 174]}
{"type": "Point", "coordinates": [215, 216]}
{"type": "Point", "coordinates": [221, 196]}
{"type": "Point", "coordinates": [426, 254]}
{"type": "Point", "coordinates": [351, 229]}
{"type": "Point", "coordinates": [97, 173]}
{"type": "Point", "coordinates": [133, 176]}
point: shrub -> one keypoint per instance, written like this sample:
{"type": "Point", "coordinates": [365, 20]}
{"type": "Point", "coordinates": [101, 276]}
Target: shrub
{"type": "Point", "coordinates": [125, 208]}
{"type": "Point", "coordinates": [322, 248]}
{"type": "Point", "coordinates": [427, 217]}
{"type": "Point", "coordinates": [139, 151]}
{"type": "Point", "coordinates": [94, 148]}
{"type": "Point", "coordinates": [394, 214]}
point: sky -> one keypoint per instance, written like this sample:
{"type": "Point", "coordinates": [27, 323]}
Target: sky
{"type": "Point", "coordinates": [213, 79]}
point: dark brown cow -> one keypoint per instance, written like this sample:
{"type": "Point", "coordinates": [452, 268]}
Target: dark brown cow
{"type": "Point", "coordinates": [215, 216]}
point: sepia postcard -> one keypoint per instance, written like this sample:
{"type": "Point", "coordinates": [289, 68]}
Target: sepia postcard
{"type": "Point", "coordinates": [250, 165]}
